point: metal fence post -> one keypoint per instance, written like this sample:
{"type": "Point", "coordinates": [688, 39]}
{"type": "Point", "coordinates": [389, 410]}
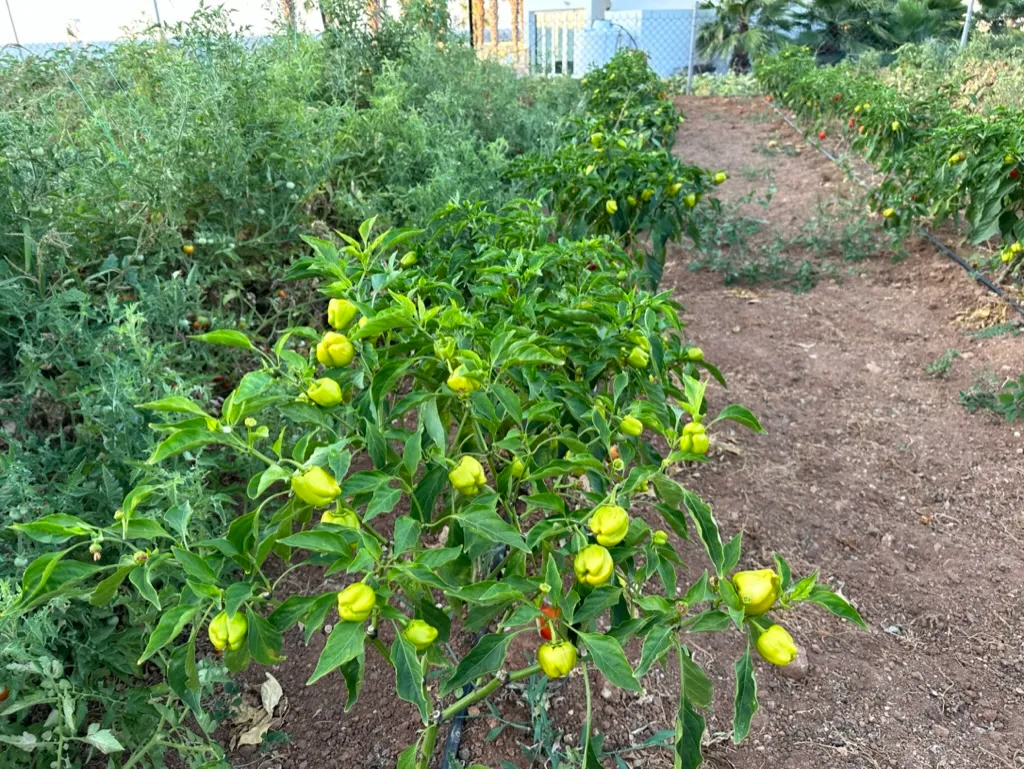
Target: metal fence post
{"type": "Point", "coordinates": [693, 47]}
{"type": "Point", "coordinates": [10, 15]}
{"type": "Point", "coordinates": [967, 23]}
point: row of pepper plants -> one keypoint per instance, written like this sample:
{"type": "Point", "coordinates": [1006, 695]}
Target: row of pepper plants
{"type": "Point", "coordinates": [466, 450]}
{"type": "Point", "coordinates": [938, 163]}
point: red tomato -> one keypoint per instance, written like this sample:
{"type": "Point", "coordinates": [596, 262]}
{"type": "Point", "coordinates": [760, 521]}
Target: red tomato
{"type": "Point", "coordinates": [822, 136]}
{"type": "Point", "coordinates": [4, 693]}
{"type": "Point", "coordinates": [1014, 173]}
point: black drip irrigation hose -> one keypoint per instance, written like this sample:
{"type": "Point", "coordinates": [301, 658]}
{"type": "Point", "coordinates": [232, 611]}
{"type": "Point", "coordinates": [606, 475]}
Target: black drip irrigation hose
{"type": "Point", "coordinates": [454, 738]}
{"type": "Point", "coordinates": [942, 247]}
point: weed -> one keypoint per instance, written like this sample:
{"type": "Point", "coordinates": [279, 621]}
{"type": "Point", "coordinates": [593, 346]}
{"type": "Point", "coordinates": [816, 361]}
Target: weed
{"type": "Point", "coordinates": [941, 366]}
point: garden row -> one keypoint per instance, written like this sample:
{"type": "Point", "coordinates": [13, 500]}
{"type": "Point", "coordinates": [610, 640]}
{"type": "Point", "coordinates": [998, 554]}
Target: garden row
{"type": "Point", "coordinates": [468, 447]}
{"type": "Point", "coordinates": [939, 163]}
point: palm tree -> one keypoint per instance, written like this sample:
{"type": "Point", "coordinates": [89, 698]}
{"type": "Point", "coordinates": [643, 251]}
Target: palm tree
{"type": "Point", "coordinates": [743, 29]}
{"type": "Point", "coordinates": [476, 9]}
{"type": "Point", "coordinates": [492, 21]}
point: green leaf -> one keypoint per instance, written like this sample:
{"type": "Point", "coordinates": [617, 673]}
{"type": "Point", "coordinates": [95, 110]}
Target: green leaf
{"type": "Point", "coordinates": [607, 655]}
{"type": "Point", "coordinates": [707, 528]}
{"type": "Point", "coordinates": [184, 440]}
{"type": "Point", "coordinates": [382, 502]}
{"type": "Point", "coordinates": [141, 578]}
{"type": "Point", "coordinates": [600, 600]}
{"type": "Point", "coordinates": [657, 642]}
{"type": "Point", "coordinates": [54, 529]}
{"type": "Point", "coordinates": [174, 403]}
{"type": "Point", "coordinates": [225, 336]}
{"type": "Point", "coordinates": [183, 675]}
{"type": "Point", "coordinates": [688, 736]}
{"type": "Point", "coordinates": [407, 534]}
{"type": "Point", "coordinates": [486, 657]}
{"type": "Point", "coordinates": [431, 421]}
{"type": "Point", "coordinates": [235, 596]}
{"type": "Point", "coordinates": [171, 623]}
{"type": "Point", "coordinates": [481, 518]}
{"type": "Point", "coordinates": [195, 567]}
{"type": "Point", "coordinates": [413, 452]}
{"type": "Point", "coordinates": [319, 541]}
{"type": "Point", "coordinates": [709, 621]}
{"type": "Point", "coordinates": [106, 589]}
{"type": "Point", "coordinates": [835, 603]}
{"type": "Point", "coordinates": [268, 477]}
{"type": "Point", "coordinates": [743, 416]}
{"type": "Point", "coordinates": [693, 681]}
{"type": "Point", "coordinates": [509, 401]}
{"type": "Point", "coordinates": [352, 671]}
{"type": "Point", "coordinates": [409, 674]}
{"type": "Point", "coordinates": [731, 553]}
{"type": "Point", "coordinates": [264, 639]}
{"type": "Point", "coordinates": [785, 573]}
{"type": "Point", "coordinates": [344, 644]}
{"type": "Point", "coordinates": [103, 740]}
{"type": "Point", "coordinates": [745, 701]}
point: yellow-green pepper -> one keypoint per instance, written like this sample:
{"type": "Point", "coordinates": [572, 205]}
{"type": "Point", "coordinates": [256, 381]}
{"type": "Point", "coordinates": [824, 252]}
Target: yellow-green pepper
{"type": "Point", "coordinates": [335, 350]}
{"type": "Point", "coordinates": [777, 646]}
{"type": "Point", "coordinates": [356, 602]}
{"type": "Point", "coordinates": [468, 476]}
{"type": "Point", "coordinates": [609, 524]}
{"type": "Point", "coordinates": [632, 426]}
{"type": "Point", "coordinates": [420, 634]}
{"type": "Point", "coordinates": [340, 313]}
{"type": "Point", "coordinates": [344, 516]}
{"type": "Point", "coordinates": [462, 382]}
{"type": "Point", "coordinates": [228, 632]}
{"type": "Point", "coordinates": [638, 358]}
{"type": "Point", "coordinates": [315, 487]}
{"type": "Point", "coordinates": [593, 565]}
{"type": "Point", "coordinates": [557, 659]}
{"type": "Point", "coordinates": [758, 589]}
{"type": "Point", "coordinates": [325, 392]}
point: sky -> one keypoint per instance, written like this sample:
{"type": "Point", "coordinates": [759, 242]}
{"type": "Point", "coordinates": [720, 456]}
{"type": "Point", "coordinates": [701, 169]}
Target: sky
{"type": "Point", "coordinates": [48, 21]}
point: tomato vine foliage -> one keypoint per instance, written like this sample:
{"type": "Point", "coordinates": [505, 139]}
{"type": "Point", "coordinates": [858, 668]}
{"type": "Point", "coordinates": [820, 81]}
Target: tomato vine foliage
{"type": "Point", "coordinates": [938, 162]}
{"type": "Point", "coordinates": [479, 425]}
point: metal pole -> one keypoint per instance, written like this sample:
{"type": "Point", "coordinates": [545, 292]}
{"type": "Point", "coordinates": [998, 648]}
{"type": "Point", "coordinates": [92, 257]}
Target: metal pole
{"type": "Point", "coordinates": [967, 24]}
{"type": "Point", "coordinates": [156, 10]}
{"type": "Point", "coordinates": [693, 46]}
{"type": "Point", "coordinates": [10, 16]}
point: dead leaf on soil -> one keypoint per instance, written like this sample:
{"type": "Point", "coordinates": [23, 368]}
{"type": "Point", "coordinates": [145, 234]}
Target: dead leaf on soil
{"type": "Point", "coordinates": [991, 313]}
{"type": "Point", "coordinates": [270, 694]}
{"type": "Point", "coordinates": [744, 293]}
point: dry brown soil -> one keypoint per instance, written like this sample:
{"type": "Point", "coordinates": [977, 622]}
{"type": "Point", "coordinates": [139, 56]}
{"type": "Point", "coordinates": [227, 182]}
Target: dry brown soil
{"type": "Point", "coordinates": [870, 471]}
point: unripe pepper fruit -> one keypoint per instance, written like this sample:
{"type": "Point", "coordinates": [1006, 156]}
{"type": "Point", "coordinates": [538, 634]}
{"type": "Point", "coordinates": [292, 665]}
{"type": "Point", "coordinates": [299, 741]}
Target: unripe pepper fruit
{"type": "Point", "coordinates": [356, 602]}
{"type": "Point", "coordinates": [609, 524]}
{"type": "Point", "coordinates": [420, 634]}
{"type": "Point", "coordinates": [340, 313]}
{"type": "Point", "coordinates": [345, 516]}
{"type": "Point", "coordinates": [638, 358]}
{"type": "Point", "coordinates": [632, 426]}
{"type": "Point", "coordinates": [461, 383]}
{"type": "Point", "coordinates": [335, 350]}
{"type": "Point", "coordinates": [315, 487]}
{"type": "Point", "coordinates": [468, 476]}
{"type": "Point", "coordinates": [557, 659]}
{"type": "Point", "coordinates": [325, 392]}
{"type": "Point", "coordinates": [758, 590]}
{"type": "Point", "coordinates": [659, 537]}
{"type": "Point", "coordinates": [776, 645]}
{"type": "Point", "coordinates": [593, 565]}
{"type": "Point", "coordinates": [228, 632]}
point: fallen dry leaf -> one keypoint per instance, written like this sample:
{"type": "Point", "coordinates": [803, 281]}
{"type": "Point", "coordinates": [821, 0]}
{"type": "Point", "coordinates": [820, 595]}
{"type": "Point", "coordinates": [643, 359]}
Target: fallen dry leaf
{"type": "Point", "coordinates": [270, 694]}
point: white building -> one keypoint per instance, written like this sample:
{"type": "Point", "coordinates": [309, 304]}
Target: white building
{"type": "Point", "coordinates": [574, 36]}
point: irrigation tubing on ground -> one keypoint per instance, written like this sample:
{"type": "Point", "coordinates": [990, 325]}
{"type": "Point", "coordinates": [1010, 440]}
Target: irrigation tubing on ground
{"type": "Point", "coordinates": [454, 738]}
{"type": "Point", "coordinates": [942, 247]}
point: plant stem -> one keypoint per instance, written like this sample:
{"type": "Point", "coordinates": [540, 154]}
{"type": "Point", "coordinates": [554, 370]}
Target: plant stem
{"type": "Point", "coordinates": [587, 723]}
{"type": "Point", "coordinates": [489, 688]}
{"type": "Point", "coordinates": [426, 751]}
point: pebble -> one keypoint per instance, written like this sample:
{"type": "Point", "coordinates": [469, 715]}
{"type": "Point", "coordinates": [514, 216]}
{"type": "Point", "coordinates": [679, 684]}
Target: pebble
{"type": "Point", "coordinates": [941, 732]}
{"type": "Point", "coordinates": [464, 753]}
{"type": "Point", "coordinates": [796, 669]}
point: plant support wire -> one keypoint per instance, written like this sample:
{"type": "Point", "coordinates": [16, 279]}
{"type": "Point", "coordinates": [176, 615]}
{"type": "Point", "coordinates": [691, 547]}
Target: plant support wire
{"type": "Point", "coordinates": [942, 247]}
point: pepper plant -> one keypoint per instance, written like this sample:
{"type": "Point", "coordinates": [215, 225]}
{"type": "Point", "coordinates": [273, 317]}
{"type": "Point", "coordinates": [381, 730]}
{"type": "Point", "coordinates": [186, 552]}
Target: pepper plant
{"type": "Point", "coordinates": [474, 472]}
{"type": "Point", "coordinates": [475, 446]}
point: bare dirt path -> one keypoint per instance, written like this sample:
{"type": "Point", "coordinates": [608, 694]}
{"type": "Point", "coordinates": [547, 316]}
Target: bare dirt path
{"type": "Point", "coordinates": [872, 472]}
